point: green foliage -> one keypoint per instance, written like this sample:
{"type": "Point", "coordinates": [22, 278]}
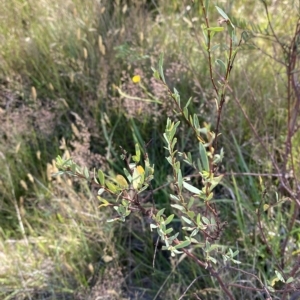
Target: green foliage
{"type": "Point", "coordinates": [207, 226]}
{"type": "Point", "coordinates": [212, 201]}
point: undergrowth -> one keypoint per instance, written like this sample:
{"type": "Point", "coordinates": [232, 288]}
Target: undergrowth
{"type": "Point", "coordinates": [66, 88]}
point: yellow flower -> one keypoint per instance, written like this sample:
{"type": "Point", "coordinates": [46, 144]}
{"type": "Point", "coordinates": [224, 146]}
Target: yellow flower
{"type": "Point", "coordinates": [136, 78]}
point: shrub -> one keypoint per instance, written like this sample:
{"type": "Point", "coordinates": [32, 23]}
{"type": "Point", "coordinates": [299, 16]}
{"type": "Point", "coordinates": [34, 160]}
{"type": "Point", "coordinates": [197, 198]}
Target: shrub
{"type": "Point", "coordinates": [193, 206]}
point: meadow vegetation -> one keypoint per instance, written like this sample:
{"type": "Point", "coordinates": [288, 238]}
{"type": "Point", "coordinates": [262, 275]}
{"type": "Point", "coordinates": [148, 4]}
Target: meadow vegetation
{"type": "Point", "coordinates": [76, 82]}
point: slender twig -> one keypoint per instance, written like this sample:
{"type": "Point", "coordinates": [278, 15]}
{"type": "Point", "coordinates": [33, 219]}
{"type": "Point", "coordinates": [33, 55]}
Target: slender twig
{"type": "Point", "coordinates": [272, 29]}
{"type": "Point", "coordinates": [231, 59]}
{"type": "Point", "coordinates": [290, 67]}
{"type": "Point", "coordinates": [190, 285]}
{"type": "Point", "coordinates": [259, 290]}
{"type": "Point", "coordinates": [212, 271]}
{"type": "Point", "coordinates": [253, 174]}
{"type": "Point", "coordinates": [275, 165]}
{"type": "Point", "coordinates": [155, 251]}
{"type": "Point", "coordinates": [270, 56]}
{"type": "Point", "coordinates": [208, 48]}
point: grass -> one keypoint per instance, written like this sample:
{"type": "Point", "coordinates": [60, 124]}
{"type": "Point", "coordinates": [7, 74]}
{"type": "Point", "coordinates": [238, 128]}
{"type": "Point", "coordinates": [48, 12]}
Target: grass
{"type": "Point", "coordinates": [55, 243]}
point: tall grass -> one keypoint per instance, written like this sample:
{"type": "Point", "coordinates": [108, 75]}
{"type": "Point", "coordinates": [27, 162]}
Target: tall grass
{"type": "Point", "coordinates": [58, 58]}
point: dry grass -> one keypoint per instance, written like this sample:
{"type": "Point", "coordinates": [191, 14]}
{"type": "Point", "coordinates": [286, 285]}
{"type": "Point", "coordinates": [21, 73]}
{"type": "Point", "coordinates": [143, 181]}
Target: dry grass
{"type": "Point", "coordinates": [60, 63]}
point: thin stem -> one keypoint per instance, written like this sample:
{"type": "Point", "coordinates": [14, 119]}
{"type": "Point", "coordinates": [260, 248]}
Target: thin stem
{"type": "Point", "coordinates": [272, 29]}
{"type": "Point", "coordinates": [208, 49]}
{"type": "Point", "coordinates": [225, 85]}
{"type": "Point", "coordinates": [260, 290]}
{"type": "Point", "coordinates": [281, 178]}
{"type": "Point", "coordinates": [212, 271]}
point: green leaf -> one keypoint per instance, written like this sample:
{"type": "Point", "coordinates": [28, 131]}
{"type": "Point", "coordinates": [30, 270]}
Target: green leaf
{"type": "Point", "coordinates": [128, 175]}
{"type": "Point", "coordinates": [170, 130]}
{"type": "Point", "coordinates": [121, 181]}
{"type": "Point", "coordinates": [125, 202]}
{"type": "Point", "coordinates": [173, 237]}
{"type": "Point", "coordinates": [225, 16]}
{"type": "Point", "coordinates": [205, 35]}
{"type": "Point", "coordinates": [186, 113]}
{"type": "Point", "coordinates": [188, 103]}
{"type": "Point", "coordinates": [290, 279]}
{"type": "Point", "coordinates": [271, 289]}
{"type": "Point", "coordinates": [191, 214]}
{"type": "Point", "coordinates": [66, 162]}
{"type": "Point", "coordinates": [191, 188]}
{"type": "Point", "coordinates": [196, 121]}
{"type": "Point", "coordinates": [180, 180]}
{"type": "Point", "coordinates": [222, 13]}
{"type": "Point", "coordinates": [169, 219]}
{"type": "Point", "coordinates": [169, 230]}
{"type": "Point", "coordinates": [215, 181]}
{"type": "Point", "coordinates": [160, 213]}
{"type": "Point", "coordinates": [215, 29]}
{"type": "Point", "coordinates": [152, 226]}
{"type": "Point", "coordinates": [190, 157]}
{"type": "Point", "coordinates": [279, 276]}
{"type": "Point", "coordinates": [221, 64]}
{"type": "Point", "coordinates": [191, 119]}
{"type": "Point", "coordinates": [191, 202]}
{"type": "Point", "coordinates": [113, 188]}
{"type": "Point", "coordinates": [138, 177]}
{"type": "Point", "coordinates": [205, 220]}
{"type": "Point", "coordinates": [178, 207]}
{"type": "Point", "coordinates": [212, 259]}
{"type": "Point", "coordinates": [203, 157]}
{"type": "Point", "coordinates": [101, 177]}
{"type": "Point", "coordinates": [174, 252]}
{"type": "Point", "coordinates": [155, 74]}
{"type": "Point", "coordinates": [149, 170]}
{"type": "Point", "coordinates": [112, 220]}
{"type": "Point", "coordinates": [186, 220]}
{"type": "Point", "coordinates": [173, 197]}
{"type": "Point", "coordinates": [173, 144]}
{"type": "Point", "coordinates": [160, 68]}
{"type": "Point", "coordinates": [188, 228]}
{"type": "Point", "coordinates": [58, 173]}
{"type": "Point", "coordinates": [86, 173]}
{"type": "Point", "coordinates": [103, 201]}
{"type": "Point", "coordinates": [143, 188]}
{"type": "Point", "coordinates": [73, 168]}
{"type": "Point", "coordinates": [177, 97]}
{"type": "Point", "coordinates": [120, 209]}
{"type": "Point", "coordinates": [215, 47]}
{"type": "Point", "coordinates": [195, 231]}
{"type": "Point", "coordinates": [183, 244]}
{"type": "Point", "coordinates": [209, 197]}
{"type": "Point", "coordinates": [95, 179]}
{"type": "Point", "coordinates": [199, 220]}
{"type": "Point", "coordinates": [213, 247]}
{"type": "Point", "coordinates": [236, 261]}
{"type": "Point", "coordinates": [206, 5]}
{"type": "Point", "coordinates": [199, 165]}
{"type": "Point", "coordinates": [169, 159]}
{"type": "Point", "coordinates": [137, 157]}
{"type": "Point", "coordinates": [101, 191]}
{"type": "Point", "coordinates": [166, 137]}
